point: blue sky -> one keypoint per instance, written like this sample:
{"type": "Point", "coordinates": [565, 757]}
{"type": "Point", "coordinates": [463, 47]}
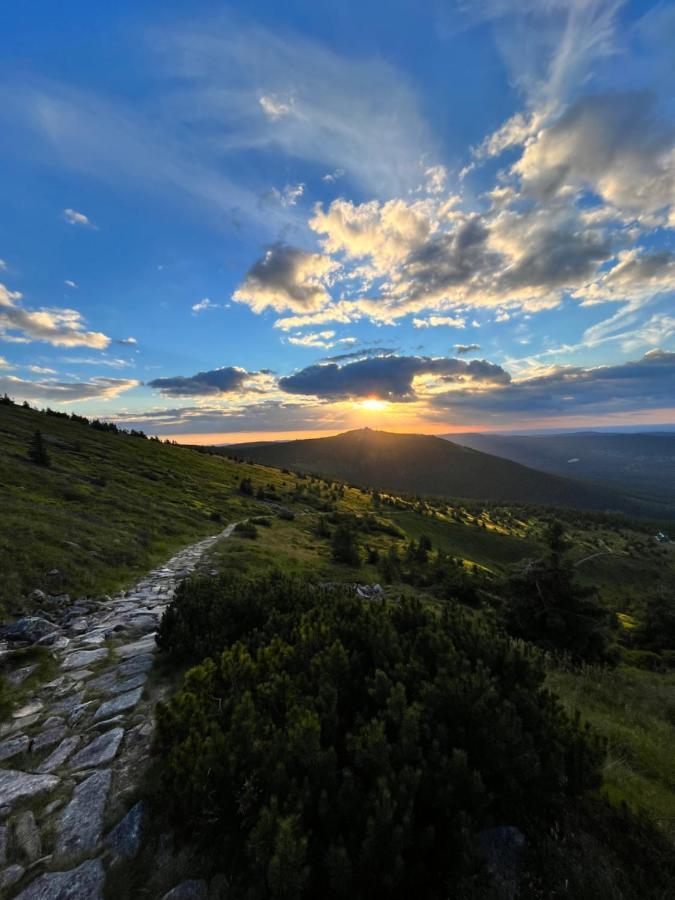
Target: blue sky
{"type": "Point", "coordinates": [228, 220]}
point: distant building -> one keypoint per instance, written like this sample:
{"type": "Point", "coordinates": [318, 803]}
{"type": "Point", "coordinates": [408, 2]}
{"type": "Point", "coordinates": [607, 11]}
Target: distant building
{"type": "Point", "coordinates": [661, 537]}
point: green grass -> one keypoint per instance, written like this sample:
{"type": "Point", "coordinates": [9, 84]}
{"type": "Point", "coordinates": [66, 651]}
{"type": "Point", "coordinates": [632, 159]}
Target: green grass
{"type": "Point", "coordinates": [635, 711]}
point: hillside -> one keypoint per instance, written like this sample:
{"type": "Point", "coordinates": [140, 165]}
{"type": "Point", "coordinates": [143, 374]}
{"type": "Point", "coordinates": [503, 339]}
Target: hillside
{"type": "Point", "coordinates": [643, 464]}
{"type": "Point", "coordinates": [427, 465]}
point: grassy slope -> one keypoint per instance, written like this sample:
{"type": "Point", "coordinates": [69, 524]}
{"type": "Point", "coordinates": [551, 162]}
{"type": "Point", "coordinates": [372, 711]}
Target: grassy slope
{"type": "Point", "coordinates": [423, 464]}
{"type": "Point", "coordinates": [156, 498]}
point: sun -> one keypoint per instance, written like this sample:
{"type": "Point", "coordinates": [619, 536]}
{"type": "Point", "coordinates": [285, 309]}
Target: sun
{"type": "Point", "coordinates": [373, 403]}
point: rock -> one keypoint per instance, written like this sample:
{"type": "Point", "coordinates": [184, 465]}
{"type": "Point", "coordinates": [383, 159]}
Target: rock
{"type": "Point", "coordinates": [66, 704]}
{"type": "Point", "coordinates": [37, 596]}
{"type": "Point", "coordinates": [60, 755]}
{"type": "Point", "coordinates": [145, 645]}
{"type": "Point", "coordinates": [118, 704]}
{"type": "Point", "coordinates": [48, 738]}
{"type": "Point", "coordinates": [20, 675]}
{"type": "Point", "coordinates": [80, 823]}
{"type": "Point", "coordinates": [78, 626]}
{"type": "Point", "coordinates": [125, 838]}
{"type": "Point", "coordinates": [101, 750]}
{"type": "Point", "coordinates": [3, 845]}
{"type": "Point", "coordinates": [141, 663]}
{"type": "Point", "coordinates": [28, 630]}
{"type": "Point", "coordinates": [81, 658]}
{"type": "Point", "coordinates": [27, 836]}
{"type": "Point", "coordinates": [83, 883]}
{"type": "Point", "coordinates": [503, 848]}
{"type": "Point", "coordinates": [187, 890]}
{"type": "Point", "coordinates": [10, 876]}
{"type": "Point", "coordinates": [81, 711]}
{"type": "Point", "coordinates": [14, 746]}
{"type": "Point", "coordinates": [28, 710]}
{"type": "Point", "coordinates": [17, 786]}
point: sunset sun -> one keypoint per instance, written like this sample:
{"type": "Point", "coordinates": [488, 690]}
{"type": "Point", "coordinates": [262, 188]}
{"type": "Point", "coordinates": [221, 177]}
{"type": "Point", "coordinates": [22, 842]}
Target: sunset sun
{"type": "Point", "coordinates": [373, 403]}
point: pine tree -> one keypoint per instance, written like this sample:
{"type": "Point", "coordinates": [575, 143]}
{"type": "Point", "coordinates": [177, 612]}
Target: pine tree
{"type": "Point", "coordinates": [37, 451]}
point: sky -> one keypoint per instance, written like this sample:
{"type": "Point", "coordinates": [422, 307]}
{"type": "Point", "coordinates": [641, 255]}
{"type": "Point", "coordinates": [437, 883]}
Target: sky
{"type": "Point", "coordinates": [232, 221]}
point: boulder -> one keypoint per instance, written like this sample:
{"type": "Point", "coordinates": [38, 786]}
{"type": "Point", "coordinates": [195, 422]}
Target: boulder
{"type": "Point", "coordinates": [29, 630]}
{"type": "Point", "coordinates": [27, 836]}
{"type": "Point", "coordinates": [17, 786]}
{"type": "Point", "coordinates": [81, 658]}
{"type": "Point", "coordinates": [80, 823]}
{"type": "Point", "coordinates": [10, 876]}
{"type": "Point", "coordinates": [125, 838]}
{"type": "Point", "coordinates": [100, 751]}
{"type": "Point", "coordinates": [83, 883]}
{"type": "Point", "coordinates": [14, 746]}
{"type": "Point", "coordinates": [118, 704]}
{"type": "Point", "coordinates": [60, 755]}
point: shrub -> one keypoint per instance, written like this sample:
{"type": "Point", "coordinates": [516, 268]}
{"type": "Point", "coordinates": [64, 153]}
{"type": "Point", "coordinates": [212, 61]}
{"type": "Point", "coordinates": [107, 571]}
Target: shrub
{"type": "Point", "coordinates": [246, 530]}
{"type": "Point", "coordinates": [37, 451]}
{"type": "Point", "coordinates": [344, 546]}
{"type": "Point", "coordinates": [346, 749]}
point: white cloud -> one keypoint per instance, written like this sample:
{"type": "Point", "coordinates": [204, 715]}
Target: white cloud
{"type": "Point", "coordinates": [65, 391]}
{"type": "Point", "coordinates": [129, 340]}
{"type": "Point", "coordinates": [319, 339]}
{"type": "Point", "coordinates": [274, 107]}
{"type": "Point", "coordinates": [3, 265]}
{"type": "Point", "coordinates": [287, 278]}
{"type": "Point", "coordinates": [203, 304]}
{"type": "Point", "coordinates": [69, 283]}
{"type": "Point", "coordinates": [77, 218]}
{"type": "Point", "coordinates": [4, 364]}
{"type": "Point", "coordinates": [331, 177]}
{"type": "Point", "coordinates": [41, 370]}
{"type": "Point", "coordinates": [55, 325]}
{"type": "Point", "coordinates": [440, 321]}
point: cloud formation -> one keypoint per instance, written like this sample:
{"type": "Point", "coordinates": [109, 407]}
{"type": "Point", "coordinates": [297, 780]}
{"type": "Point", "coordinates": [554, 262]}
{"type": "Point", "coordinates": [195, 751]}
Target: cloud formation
{"type": "Point", "coordinates": [73, 217]}
{"type": "Point", "coordinates": [387, 377]}
{"type": "Point", "coordinates": [65, 391]}
{"type": "Point", "coordinates": [287, 278]}
{"type": "Point", "coordinates": [226, 380]}
{"type": "Point", "coordinates": [55, 325]}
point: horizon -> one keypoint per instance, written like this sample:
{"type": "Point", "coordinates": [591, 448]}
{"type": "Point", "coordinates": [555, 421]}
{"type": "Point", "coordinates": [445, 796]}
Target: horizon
{"type": "Point", "coordinates": [236, 225]}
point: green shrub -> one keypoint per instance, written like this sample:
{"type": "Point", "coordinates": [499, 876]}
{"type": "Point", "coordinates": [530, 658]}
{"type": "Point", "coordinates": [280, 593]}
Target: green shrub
{"type": "Point", "coordinates": [246, 530]}
{"type": "Point", "coordinates": [336, 748]}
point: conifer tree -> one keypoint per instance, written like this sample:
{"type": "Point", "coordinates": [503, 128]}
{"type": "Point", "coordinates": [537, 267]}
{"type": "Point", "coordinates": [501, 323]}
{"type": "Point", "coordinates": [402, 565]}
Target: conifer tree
{"type": "Point", "coordinates": [37, 451]}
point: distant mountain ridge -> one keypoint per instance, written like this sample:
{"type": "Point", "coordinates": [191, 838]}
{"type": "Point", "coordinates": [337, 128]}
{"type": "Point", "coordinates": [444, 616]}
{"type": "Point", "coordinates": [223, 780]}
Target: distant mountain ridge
{"type": "Point", "coordinates": [435, 466]}
{"type": "Point", "coordinates": [636, 463]}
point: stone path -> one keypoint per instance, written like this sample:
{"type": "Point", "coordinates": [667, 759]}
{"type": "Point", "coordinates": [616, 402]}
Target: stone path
{"type": "Point", "coordinates": [71, 759]}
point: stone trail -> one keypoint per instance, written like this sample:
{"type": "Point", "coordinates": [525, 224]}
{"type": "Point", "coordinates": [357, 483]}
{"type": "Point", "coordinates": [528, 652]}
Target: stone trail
{"type": "Point", "coordinates": [71, 760]}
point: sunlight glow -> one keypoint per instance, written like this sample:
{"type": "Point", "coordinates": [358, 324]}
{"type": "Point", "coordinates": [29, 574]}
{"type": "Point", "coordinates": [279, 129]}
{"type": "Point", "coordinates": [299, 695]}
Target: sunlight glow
{"type": "Point", "coordinates": [373, 403]}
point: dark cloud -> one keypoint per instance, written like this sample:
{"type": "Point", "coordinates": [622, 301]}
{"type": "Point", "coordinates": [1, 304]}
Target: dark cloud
{"type": "Point", "coordinates": [386, 377]}
{"type": "Point", "coordinates": [647, 383]}
{"type": "Point", "coordinates": [466, 348]}
{"type": "Point", "coordinates": [65, 391]}
{"type": "Point", "coordinates": [366, 352]}
{"type": "Point", "coordinates": [286, 278]}
{"type": "Point", "coordinates": [217, 381]}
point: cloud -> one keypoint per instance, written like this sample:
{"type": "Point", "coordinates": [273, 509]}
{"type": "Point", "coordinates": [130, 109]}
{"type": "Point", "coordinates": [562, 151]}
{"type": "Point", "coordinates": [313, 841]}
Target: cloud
{"type": "Point", "coordinates": [289, 196]}
{"type": "Point", "coordinates": [130, 341]}
{"type": "Point", "coordinates": [320, 339]}
{"type": "Point", "coordinates": [225, 380]}
{"type": "Point", "coordinates": [636, 385]}
{"type": "Point", "coordinates": [69, 283]}
{"type": "Point", "coordinates": [387, 377]}
{"type": "Point", "coordinates": [66, 391]}
{"type": "Point", "coordinates": [331, 177]}
{"type": "Point", "coordinates": [466, 348]}
{"type": "Point", "coordinates": [3, 265]}
{"type": "Point", "coordinates": [77, 218]}
{"type": "Point", "coordinates": [203, 305]}
{"type": "Point", "coordinates": [440, 321]}
{"type": "Point", "coordinates": [275, 108]}
{"type": "Point", "coordinates": [58, 326]}
{"type": "Point", "coordinates": [287, 278]}
{"type": "Point", "coordinates": [4, 364]}
{"type": "Point", "coordinates": [362, 353]}
{"type": "Point", "coordinates": [41, 370]}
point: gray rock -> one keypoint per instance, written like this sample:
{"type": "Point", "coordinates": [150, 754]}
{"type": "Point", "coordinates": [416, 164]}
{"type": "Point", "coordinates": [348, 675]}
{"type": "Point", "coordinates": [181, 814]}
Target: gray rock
{"type": "Point", "coordinates": [29, 630]}
{"type": "Point", "coordinates": [14, 746]}
{"type": "Point", "coordinates": [27, 836]}
{"type": "Point", "coordinates": [503, 849]}
{"type": "Point", "coordinates": [118, 704]}
{"type": "Point", "coordinates": [48, 738]}
{"type": "Point", "coordinates": [10, 876]}
{"type": "Point", "coordinates": [81, 658]}
{"type": "Point", "coordinates": [125, 838]}
{"type": "Point", "coordinates": [145, 645]}
{"type": "Point", "coordinates": [34, 706]}
{"type": "Point", "coordinates": [83, 883]}
{"type": "Point", "coordinates": [3, 845]}
{"type": "Point", "coordinates": [80, 712]}
{"type": "Point", "coordinates": [17, 786]}
{"type": "Point", "coordinates": [20, 675]}
{"type": "Point", "coordinates": [101, 750]}
{"type": "Point", "coordinates": [78, 626]}
{"type": "Point", "coordinates": [66, 704]}
{"type": "Point", "coordinates": [37, 596]}
{"type": "Point", "coordinates": [60, 755]}
{"type": "Point", "coordinates": [80, 823]}
{"type": "Point", "coordinates": [141, 663]}
{"type": "Point", "coordinates": [187, 890]}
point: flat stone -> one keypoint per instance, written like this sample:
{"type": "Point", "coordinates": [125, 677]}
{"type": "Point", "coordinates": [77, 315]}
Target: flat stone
{"type": "Point", "coordinates": [29, 630]}
{"type": "Point", "coordinates": [100, 751]}
{"type": "Point", "coordinates": [81, 658]}
{"type": "Point", "coordinates": [14, 746]}
{"type": "Point", "coordinates": [20, 675]}
{"type": "Point", "coordinates": [78, 626]}
{"type": "Point", "coordinates": [145, 645]}
{"type": "Point", "coordinates": [187, 890]}
{"type": "Point", "coordinates": [80, 823]}
{"type": "Point", "coordinates": [141, 663]}
{"type": "Point", "coordinates": [118, 704]}
{"type": "Point", "coordinates": [125, 838]}
{"type": "Point", "coordinates": [28, 710]}
{"type": "Point", "coordinates": [17, 786]}
{"type": "Point", "coordinates": [83, 883]}
{"type": "Point", "coordinates": [80, 712]}
{"type": "Point", "coordinates": [48, 738]}
{"type": "Point", "coordinates": [10, 876]}
{"type": "Point", "coordinates": [60, 755]}
{"type": "Point", "coordinates": [27, 836]}
{"type": "Point", "coordinates": [66, 704]}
